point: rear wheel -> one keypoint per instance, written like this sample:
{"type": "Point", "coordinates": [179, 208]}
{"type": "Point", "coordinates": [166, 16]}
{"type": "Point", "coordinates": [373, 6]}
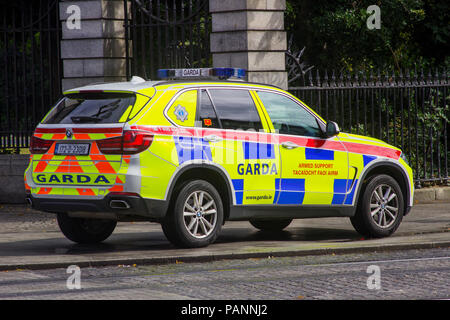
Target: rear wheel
{"type": "Point", "coordinates": [271, 225]}
{"type": "Point", "coordinates": [380, 209]}
{"type": "Point", "coordinates": [196, 218]}
{"type": "Point", "coordinates": [83, 230]}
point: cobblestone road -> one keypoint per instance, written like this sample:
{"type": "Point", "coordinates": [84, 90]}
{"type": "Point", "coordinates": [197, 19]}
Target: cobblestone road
{"type": "Point", "coordinates": [414, 274]}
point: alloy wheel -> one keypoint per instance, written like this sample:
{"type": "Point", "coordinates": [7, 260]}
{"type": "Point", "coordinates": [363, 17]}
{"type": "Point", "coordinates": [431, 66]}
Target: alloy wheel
{"type": "Point", "coordinates": [384, 206]}
{"type": "Point", "coordinates": [200, 214]}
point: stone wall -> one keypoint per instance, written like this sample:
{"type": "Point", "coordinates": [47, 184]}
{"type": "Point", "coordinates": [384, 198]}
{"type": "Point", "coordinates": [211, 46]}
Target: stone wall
{"type": "Point", "coordinates": [250, 34]}
{"type": "Point", "coordinates": [96, 51]}
{"type": "Point", "coordinates": [12, 169]}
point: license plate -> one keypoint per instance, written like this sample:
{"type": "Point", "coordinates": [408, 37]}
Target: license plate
{"type": "Point", "coordinates": [78, 149]}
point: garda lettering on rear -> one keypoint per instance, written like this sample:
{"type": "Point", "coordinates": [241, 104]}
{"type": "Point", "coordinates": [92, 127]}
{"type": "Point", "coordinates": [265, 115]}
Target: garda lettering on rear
{"type": "Point", "coordinates": [69, 178]}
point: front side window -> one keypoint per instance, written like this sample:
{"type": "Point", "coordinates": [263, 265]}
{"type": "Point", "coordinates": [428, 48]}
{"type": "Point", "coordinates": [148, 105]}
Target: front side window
{"type": "Point", "coordinates": [288, 117]}
{"type": "Point", "coordinates": [236, 109]}
{"type": "Point", "coordinates": [77, 108]}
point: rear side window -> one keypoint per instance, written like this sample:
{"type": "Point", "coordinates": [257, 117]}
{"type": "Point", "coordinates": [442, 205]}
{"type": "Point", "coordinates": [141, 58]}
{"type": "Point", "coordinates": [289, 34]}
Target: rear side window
{"type": "Point", "coordinates": [183, 109]}
{"type": "Point", "coordinates": [101, 107]}
{"type": "Point", "coordinates": [235, 109]}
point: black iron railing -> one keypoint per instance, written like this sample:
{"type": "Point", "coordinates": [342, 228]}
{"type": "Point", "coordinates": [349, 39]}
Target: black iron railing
{"type": "Point", "coordinates": [30, 64]}
{"type": "Point", "coordinates": [166, 34]}
{"type": "Point", "coordinates": [408, 109]}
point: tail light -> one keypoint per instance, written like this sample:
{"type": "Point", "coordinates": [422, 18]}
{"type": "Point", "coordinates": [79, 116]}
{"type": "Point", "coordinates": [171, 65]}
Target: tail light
{"type": "Point", "coordinates": [39, 146]}
{"type": "Point", "coordinates": [131, 142]}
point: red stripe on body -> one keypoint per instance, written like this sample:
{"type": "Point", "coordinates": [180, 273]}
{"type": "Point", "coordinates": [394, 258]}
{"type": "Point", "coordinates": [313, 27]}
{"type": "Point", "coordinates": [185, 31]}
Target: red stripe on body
{"type": "Point", "coordinates": [79, 130]}
{"type": "Point", "coordinates": [63, 167]}
{"type": "Point", "coordinates": [263, 138]}
{"type": "Point", "coordinates": [44, 190]}
{"type": "Point", "coordinates": [368, 149]}
{"type": "Point", "coordinates": [85, 192]}
{"type": "Point", "coordinates": [58, 136]}
{"type": "Point", "coordinates": [50, 130]}
{"type": "Point", "coordinates": [246, 136]}
{"type": "Point", "coordinates": [116, 188]}
{"type": "Point", "coordinates": [81, 136]}
{"type": "Point", "coordinates": [75, 167]}
{"type": "Point", "coordinates": [97, 130]}
{"type": "Point", "coordinates": [94, 149]}
{"type": "Point", "coordinates": [104, 167]}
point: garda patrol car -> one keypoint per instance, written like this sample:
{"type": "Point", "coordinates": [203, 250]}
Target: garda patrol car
{"type": "Point", "coordinates": [193, 153]}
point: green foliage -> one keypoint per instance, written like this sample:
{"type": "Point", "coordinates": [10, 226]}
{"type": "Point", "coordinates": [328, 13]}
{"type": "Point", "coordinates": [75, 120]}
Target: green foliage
{"type": "Point", "coordinates": [8, 150]}
{"type": "Point", "coordinates": [418, 127]}
{"type": "Point", "coordinates": [413, 33]}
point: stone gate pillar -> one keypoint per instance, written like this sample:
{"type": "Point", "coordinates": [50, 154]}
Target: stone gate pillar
{"type": "Point", "coordinates": [94, 50]}
{"type": "Point", "coordinates": [250, 34]}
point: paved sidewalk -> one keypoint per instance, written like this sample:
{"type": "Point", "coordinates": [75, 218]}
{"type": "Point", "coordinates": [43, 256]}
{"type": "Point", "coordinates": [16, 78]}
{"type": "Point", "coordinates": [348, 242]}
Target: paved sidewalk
{"type": "Point", "coordinates": [32, 240]}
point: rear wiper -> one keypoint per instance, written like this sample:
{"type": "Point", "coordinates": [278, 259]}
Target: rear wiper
{"type": "Point", "coordinates": [85, 119]}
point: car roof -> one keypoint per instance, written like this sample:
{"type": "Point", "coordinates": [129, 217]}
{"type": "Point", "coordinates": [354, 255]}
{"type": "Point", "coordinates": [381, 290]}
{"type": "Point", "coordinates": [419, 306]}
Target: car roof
{"type": "Point", "coordinates": [135, 86]}
{"type": "Point", "coordinates": [116, 86]}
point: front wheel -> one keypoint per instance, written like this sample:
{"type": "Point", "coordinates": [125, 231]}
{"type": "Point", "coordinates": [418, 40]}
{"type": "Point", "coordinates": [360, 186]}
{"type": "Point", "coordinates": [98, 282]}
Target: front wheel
{"type": "Point", "coordinates": [196, 218]}
{"type": "Point", "coordinates": [380, 209]}
{"type": "Point", "coordinates": [85, 231]}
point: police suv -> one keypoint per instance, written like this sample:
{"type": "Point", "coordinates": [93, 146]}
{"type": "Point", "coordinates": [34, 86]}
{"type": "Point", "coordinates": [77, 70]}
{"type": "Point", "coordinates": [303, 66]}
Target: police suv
{"type": "Point", "coordinates": [190, 153]}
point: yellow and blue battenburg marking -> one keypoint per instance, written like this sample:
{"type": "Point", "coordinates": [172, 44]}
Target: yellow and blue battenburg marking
{"type": "Point", "coordinates": [192, 148]}
{"type": "Point", "coordinates": [257, 150]}
{"type": "Point", "coordinates": [318, 154]}
{"type": "Point", "coordinates": [238, 185]}
{"type": "Point", "coordinates": [367, 159]}
{"type": "Point", "coordinates": [341, 189]}
{"type": "Point", "coordinates": [289, 191]}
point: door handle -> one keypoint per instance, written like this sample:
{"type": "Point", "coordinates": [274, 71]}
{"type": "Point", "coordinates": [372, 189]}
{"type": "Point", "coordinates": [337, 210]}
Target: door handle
{"type": "Point", "coordinates": [212, 138]}
{"type": "Point", "coordinates": [289, 145]}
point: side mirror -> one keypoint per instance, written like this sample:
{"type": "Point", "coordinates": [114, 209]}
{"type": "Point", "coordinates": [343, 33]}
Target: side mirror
{"type": "Point", "coordinates": [332, 129]}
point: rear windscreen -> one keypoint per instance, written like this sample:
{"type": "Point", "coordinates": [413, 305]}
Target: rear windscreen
{"type": "Point", "coordinates": [102, 107]}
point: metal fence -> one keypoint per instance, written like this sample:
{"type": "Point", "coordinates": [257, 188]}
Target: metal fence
{"type": "Point", "coordinates": [407, 109]}
{"type": "Point", "coordinates": [166, 34]}
{"type": "Point", "coordinates": [30, 67]}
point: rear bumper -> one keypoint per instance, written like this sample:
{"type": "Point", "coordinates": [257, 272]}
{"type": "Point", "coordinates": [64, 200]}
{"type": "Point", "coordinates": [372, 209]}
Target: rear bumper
{"type": "Point", "coordinates": [119, 206]}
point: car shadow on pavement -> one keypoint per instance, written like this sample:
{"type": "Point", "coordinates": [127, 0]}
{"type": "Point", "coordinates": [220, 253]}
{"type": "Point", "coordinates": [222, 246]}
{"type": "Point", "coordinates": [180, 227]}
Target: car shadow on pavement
{"type": "Point", "coordinates": [290, 234]}
{"type": "Point", "coordinates": [155, 241]}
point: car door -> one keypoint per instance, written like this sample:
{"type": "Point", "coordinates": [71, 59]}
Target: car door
{"type": "Point", "coordinates": [314, 170]}
{"type": "Point", "coordinates": [234, 128]}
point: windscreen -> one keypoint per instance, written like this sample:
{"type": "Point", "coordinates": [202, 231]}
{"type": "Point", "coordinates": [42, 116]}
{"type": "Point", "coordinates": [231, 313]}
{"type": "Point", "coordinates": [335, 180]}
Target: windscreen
{"type": "Point", "coordinates": [102, 107]}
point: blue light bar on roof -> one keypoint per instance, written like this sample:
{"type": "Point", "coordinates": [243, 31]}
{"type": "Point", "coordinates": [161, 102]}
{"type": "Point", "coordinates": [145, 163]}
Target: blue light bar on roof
{"type": "Point", "coordinates": [221, 73]}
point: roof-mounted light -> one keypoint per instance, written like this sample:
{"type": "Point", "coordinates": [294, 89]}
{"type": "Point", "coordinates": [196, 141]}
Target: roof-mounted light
{"type": "Point", "coordinates": [199, 73]}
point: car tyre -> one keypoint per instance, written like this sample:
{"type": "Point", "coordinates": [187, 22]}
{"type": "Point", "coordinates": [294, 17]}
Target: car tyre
{"type": "Point", "coordinates": [271, 225]}
{"type": "Point", "coordinates": [196, 217]}
{"type": "Point", "coordinates": [380, 208]}
{"type": "Point", "coordinates": [85, 231]}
